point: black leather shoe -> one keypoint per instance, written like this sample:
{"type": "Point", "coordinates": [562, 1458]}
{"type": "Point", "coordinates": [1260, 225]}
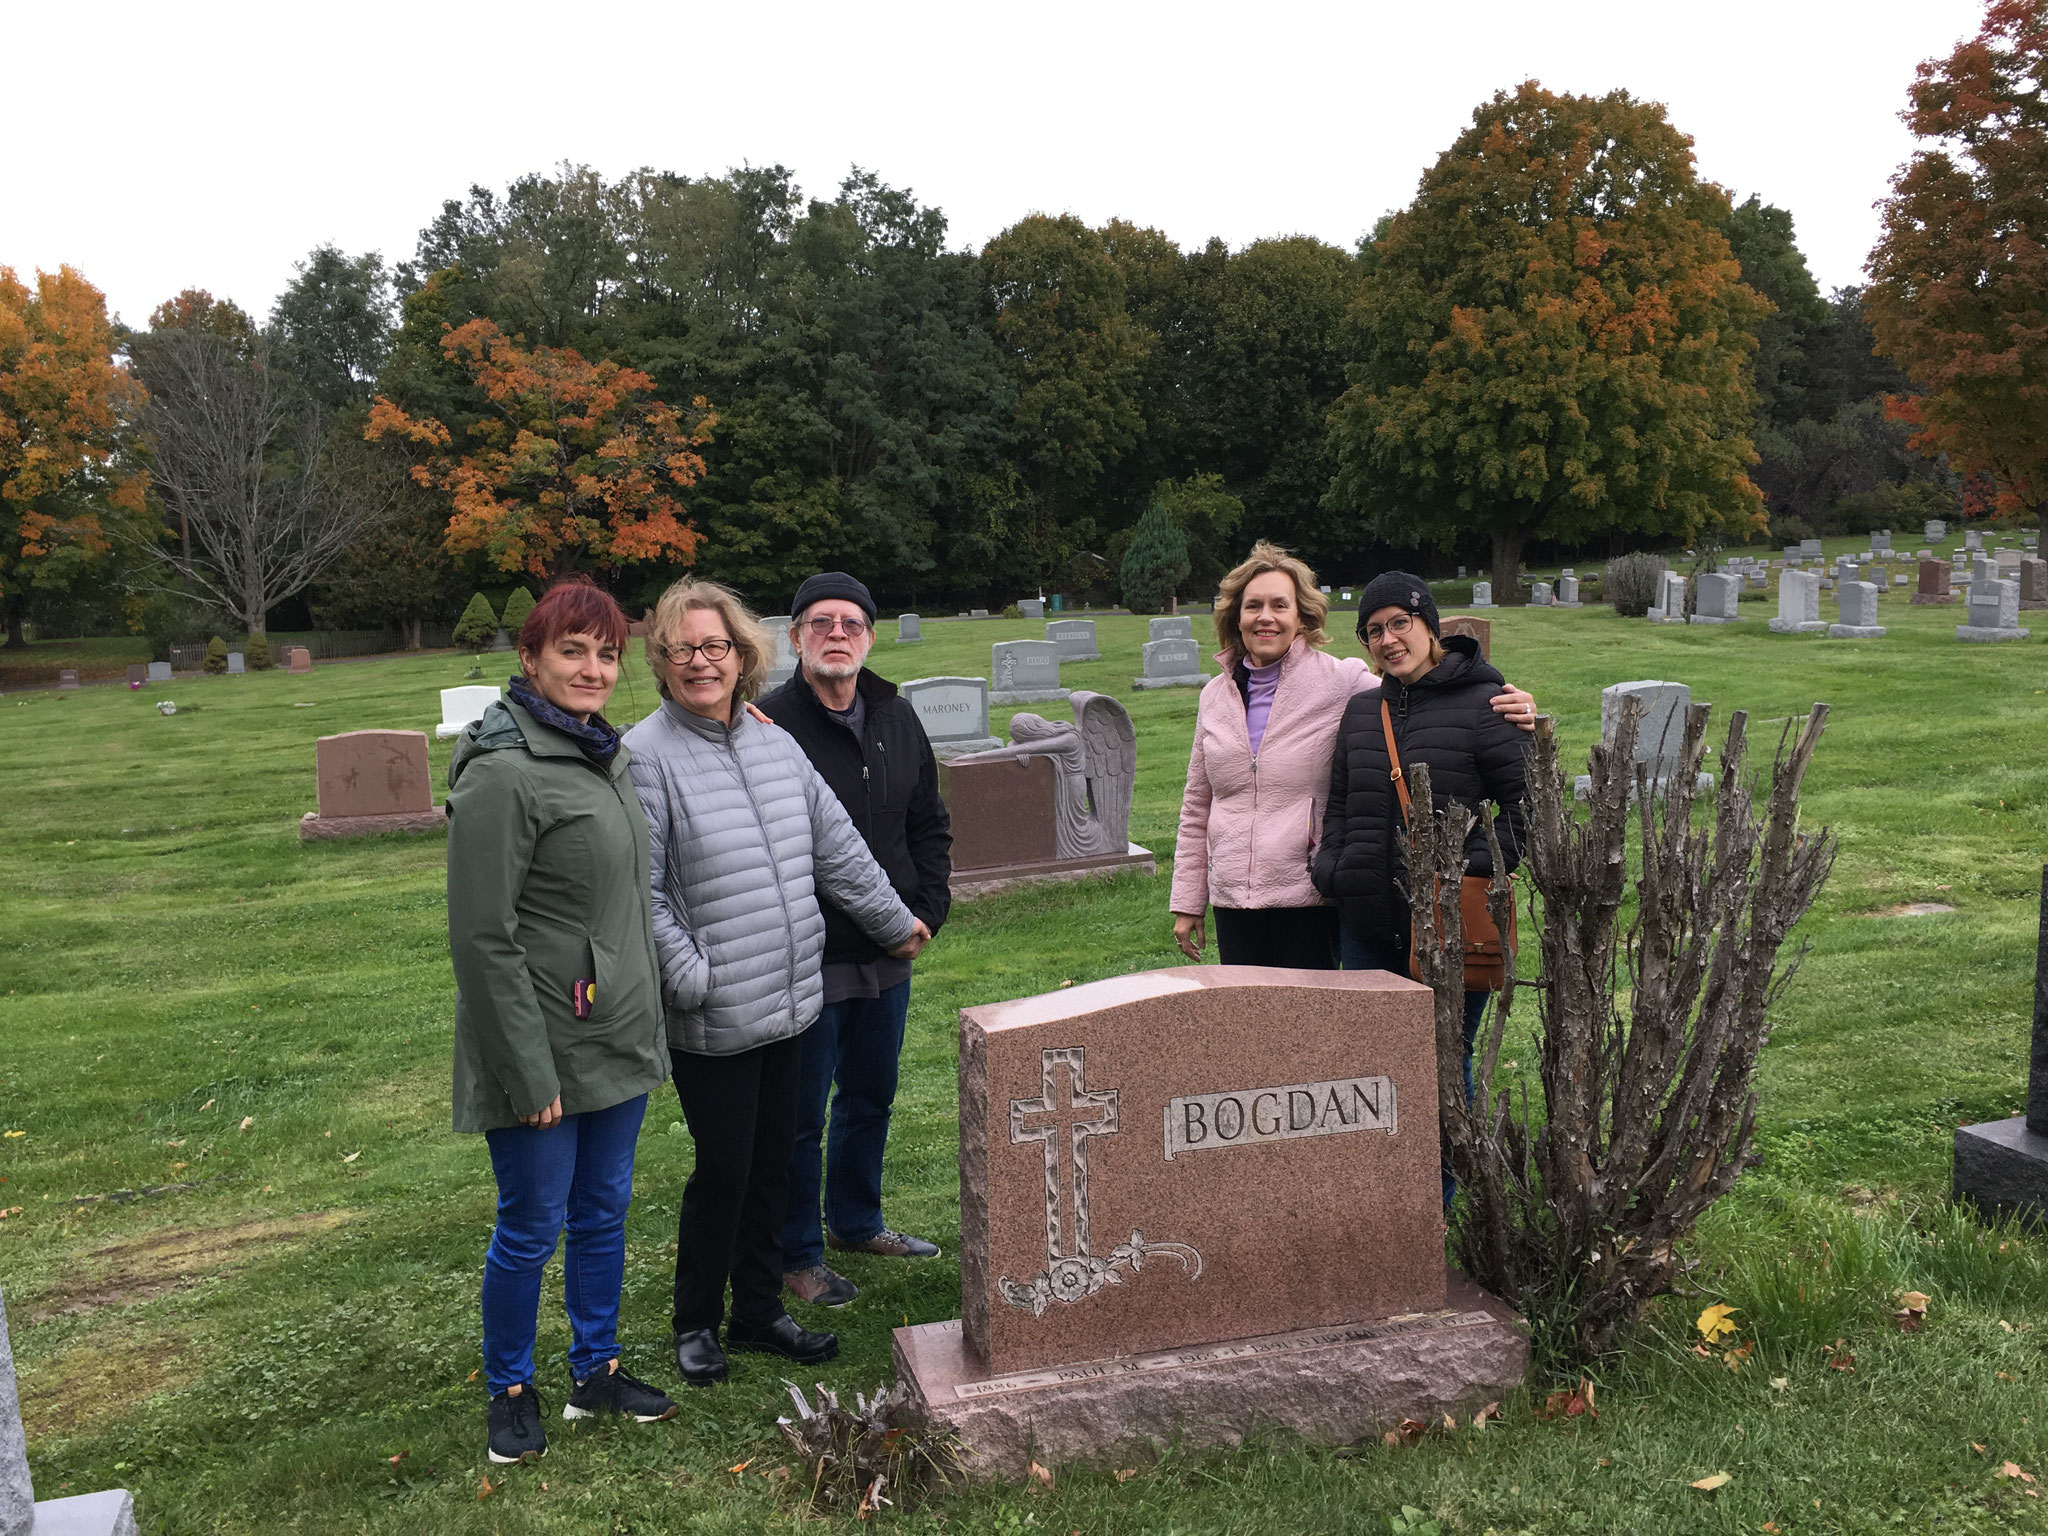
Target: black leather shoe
{"type": "Point", "coordinates": [783, 1337]}
{"type": "Point", "coordinates": [699, 1358]}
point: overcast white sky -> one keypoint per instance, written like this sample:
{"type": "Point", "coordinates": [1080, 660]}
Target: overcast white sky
{"type": "Point", "coordinates": [166, 145]}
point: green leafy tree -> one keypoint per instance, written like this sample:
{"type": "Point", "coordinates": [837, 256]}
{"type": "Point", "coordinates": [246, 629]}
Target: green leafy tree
{"type": "Point", "coordinates": [398, 573]}
{"type": "Point", "coordinates": [1554, 341]}
{"type": "Point", "coordinates": [1156, 563]}
{"type": "Point", "coordinates": [517, 607]}
{"type": "Point", "coordinates": [478, 626]}
{"type": "Point", "coordinates": [1761, 239]}
{"type": "Point", "coordinates": [1208, 517]}
{"type": "Point", "coordinates": [332, 326]}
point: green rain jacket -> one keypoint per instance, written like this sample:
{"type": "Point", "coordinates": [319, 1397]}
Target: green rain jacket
{"type": "Point", "coordinates": [547, 886]}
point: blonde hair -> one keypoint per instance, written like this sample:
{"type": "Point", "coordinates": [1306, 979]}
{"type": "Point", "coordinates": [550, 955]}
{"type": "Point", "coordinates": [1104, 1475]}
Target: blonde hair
{"type": "Point", "coordinates": [749, 636]}
{"type": "Point", "coordinates": [1308, 598]}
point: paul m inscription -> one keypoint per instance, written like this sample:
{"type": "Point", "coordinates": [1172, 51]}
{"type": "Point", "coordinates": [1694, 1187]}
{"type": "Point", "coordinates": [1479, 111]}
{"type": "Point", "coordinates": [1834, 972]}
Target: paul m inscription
{"type": "Point", "coordinates": [1205, 1121]}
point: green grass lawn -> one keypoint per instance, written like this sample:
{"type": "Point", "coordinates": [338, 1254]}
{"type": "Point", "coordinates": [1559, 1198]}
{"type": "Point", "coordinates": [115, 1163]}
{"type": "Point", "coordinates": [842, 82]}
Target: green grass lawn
{"type": "Point", "coordinates": [194, 1003]}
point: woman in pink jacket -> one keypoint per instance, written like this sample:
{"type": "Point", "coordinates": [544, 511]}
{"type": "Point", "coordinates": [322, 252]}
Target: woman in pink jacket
{"type": "Point", "coordinates": [1264, 734]}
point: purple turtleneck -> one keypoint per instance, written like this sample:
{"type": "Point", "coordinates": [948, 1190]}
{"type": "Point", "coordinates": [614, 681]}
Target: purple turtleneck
{"type": "Point", "coordinates": [1264, 683]}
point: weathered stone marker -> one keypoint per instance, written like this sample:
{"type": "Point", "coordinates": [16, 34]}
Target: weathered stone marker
{"type": "Point", "coordinates": [1660, 734]}
{"type": "Point", "coordinates": [372, 782]}
{"type": "Point", "coordinates": [953, 712]}
{"type": "Point", "coordinates": [1177, 1228]}
{"type": "Point", "coordinates": [1479, 629]}
{"type": "Point", "coordinates": [1025, 672]}
{"type": "Point", "coordinates": [1798, 604]}
{"type": "Point", "coordinates": [1177, 626]}
{"type": "Point", "coordinates": [1719, 594]}
{"type": "Point", "coordinates": [111, 1513]}
{"type": "Point", "coordinates": [2001, 1166]}
{"type": "Point", "coordinates": [1933, 587]}
{"type": "Point", "coordinates": [1075, 638]}
{"type": "Point", "coordinates": [1482, 594]}
{"type": "Point", "coordinates": [1175, 662]}
{"type": "Point", "coordinates": [909, 628]}
{"type": "Point", "coordinates": [783, 666]}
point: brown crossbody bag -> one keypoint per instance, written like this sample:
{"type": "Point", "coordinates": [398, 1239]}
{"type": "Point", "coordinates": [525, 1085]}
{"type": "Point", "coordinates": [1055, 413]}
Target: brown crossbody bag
{"type": "Point", "coordinates": [1486, 967]}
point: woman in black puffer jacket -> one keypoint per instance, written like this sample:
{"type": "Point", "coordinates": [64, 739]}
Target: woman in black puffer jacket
{"type": "Point", "coordinates": [1440, 693]}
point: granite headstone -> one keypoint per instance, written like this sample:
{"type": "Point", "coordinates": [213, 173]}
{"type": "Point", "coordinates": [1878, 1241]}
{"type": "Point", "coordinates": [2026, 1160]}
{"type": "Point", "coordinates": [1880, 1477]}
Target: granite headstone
{"type": "Point", "coordinates": [1075, 638]}
{"type": "Point", "coordinates": [372, 782]}
{"type": "Point", "coordinates": [953, 712]}
{"type": "Point", "coordinates": [1174, 663]}
{"type": "Point", "coordinates": [1025, 672]}
{"type": "Point", "coordinates": [1857, 601]}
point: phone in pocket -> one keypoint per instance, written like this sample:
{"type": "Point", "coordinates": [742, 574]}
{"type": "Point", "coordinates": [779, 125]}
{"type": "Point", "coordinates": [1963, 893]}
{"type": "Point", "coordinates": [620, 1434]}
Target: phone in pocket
{"type": "Point", "coordinates": [585, 997]}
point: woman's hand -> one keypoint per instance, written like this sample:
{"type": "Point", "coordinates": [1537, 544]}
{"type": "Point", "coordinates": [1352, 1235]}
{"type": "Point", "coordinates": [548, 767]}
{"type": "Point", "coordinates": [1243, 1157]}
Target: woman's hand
{"type": "Point", "coordinates": [1518, 706]}
{"type": "Point", "coordinates": [552, 1115]}
{"type": "Point", "coordinates": [1187, 933]}
{"type": "Point", "coordinates": [757, 713]}
{"type": "Point", "coordinates": [909, 948]}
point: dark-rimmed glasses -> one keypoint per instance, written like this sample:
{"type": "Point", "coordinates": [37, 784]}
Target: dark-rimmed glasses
{"type": "Point", "coordinates": [716, 649]}
{"type": "Point", "coordinates": [821, 628]}
{"type": "Point", "coordinates": [1398, 625]}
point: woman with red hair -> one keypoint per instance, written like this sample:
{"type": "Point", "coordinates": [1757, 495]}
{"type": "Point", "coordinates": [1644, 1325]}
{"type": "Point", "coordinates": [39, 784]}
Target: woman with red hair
{"type": "Point", "coordinates": [559, 1033]}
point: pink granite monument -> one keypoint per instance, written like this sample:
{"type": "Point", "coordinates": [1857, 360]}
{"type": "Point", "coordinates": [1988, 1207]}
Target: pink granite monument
{"type": "Point", "coordinates": [1194, 1201]}
{"type": "Point", "coordinates": [372, 782]}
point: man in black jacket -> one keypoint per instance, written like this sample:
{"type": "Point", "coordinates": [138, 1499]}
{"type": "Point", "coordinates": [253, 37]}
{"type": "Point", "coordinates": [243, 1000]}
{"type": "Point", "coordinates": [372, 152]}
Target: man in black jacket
{"type": "Point", "coordinates": [870, 747]}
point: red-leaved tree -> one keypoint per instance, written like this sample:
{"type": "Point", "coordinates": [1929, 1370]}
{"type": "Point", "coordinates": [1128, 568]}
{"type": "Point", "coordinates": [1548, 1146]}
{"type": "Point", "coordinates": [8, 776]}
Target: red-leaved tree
{"type": "Point", "coordinates": [1959, 292]}
{"type": "Point", "coordinates": [575, 463]}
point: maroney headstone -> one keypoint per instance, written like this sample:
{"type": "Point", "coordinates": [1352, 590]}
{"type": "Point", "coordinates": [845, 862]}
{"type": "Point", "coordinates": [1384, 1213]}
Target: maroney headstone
{"type": "Point", "coordinates": [1025, 672]}
{"type": "Point", "coordinates": [1075, 638]}
{"type": "Point", "coordinates": [2001, 1166]}
{"type": "Point", "coordinates": [1176, 1230]}
{"type": "Point", "coordinates": [111, 1513]}
{"type": "Point", "coordinates": [953, 712]}
{"type": "Point", "coordinates": [1175, 663]}
{"type": "Point", "coordinates": [372, 782]}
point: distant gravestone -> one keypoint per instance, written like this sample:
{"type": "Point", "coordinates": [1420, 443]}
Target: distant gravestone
{"type": "Point", "coordinates": [1174, 663]}
{"type": "Point", "coordinates": [2001, 1166]}
{"type": "Point", "coordinates": [1540, 595]}
{"type": "Point", "coordinates": [1972, 540]}
{"type": "Point", "coordinates": [1934, 530]}
{"type": "Point", "coordinates": [783, 667]}
{"type": "Point", "coordinates": [1660, 736]}
{"type": "Point", "coordinates": [1479, 629]}
{"type": "Point", "coordinates": [1881, 541]}
{"type": "Point", "coordinates": [1670, 604]}
{"type": "Point", "coordinates": [1176, 627]}
{"type": "Point", "coordinates": [909, 628]}
{"type": "Point", "coordinates": [111, 1513]}
{"type": "Point", "coordinates": [238, 664]}
{"type": "Point", "coordinates": [462, 706]}
{"type": "Point", "coordinates": [977, 613]}
{"type": "Point", "coordinates": [1075, 638]}
{"type": "Point", "coordinates": [160, 671]}
{"type": "Point", "coordinates": [302, 659]}
{"type": "Point", "coordinates": [1798, 604]}
{"type": "Point", "coordinates": [1719, 592]}
{"type": "Point", "coordinates": [2033, 583]}
{"type": "Point", "coordinates": [1482, 594]}
{"type": "Point", "coordinates": [1031, 607]}
{"type": "Point", "coordinates": [1568, 591]}
{"type": "Point", "coordinates": [138, 673]}
{"type": "Point", "coordinates": [953, 712]}
{"type": "Point", "coordinates": [1024, 672]}
{"type": "Point", "coordinates": [1994, 613]}
{"type": "Point", "coordinates": [1858, 604]}
{"type": "Point", "coordinates": [371, 782]}
{"type": "Point", "coordinates": [67, 677]}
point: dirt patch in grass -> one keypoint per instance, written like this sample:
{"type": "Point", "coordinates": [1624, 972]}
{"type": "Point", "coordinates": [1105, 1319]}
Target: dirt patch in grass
{"type": "Point", "coordinates": [172, 1259]}
{"type": "Point", "coordinates": [1915, 909]}
{"type": "Point", "coordinates": [101, 1376]}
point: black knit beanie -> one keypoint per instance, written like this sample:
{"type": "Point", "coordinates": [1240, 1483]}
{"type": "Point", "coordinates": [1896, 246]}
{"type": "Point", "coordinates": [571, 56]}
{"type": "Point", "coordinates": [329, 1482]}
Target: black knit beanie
{"type": "Point", "coordinates": [829, 584]}
{"type": "Point", "coordinates": [1397, 589]}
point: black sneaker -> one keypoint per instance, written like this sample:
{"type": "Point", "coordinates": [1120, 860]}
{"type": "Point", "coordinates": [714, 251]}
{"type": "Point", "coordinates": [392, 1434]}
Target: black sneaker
{"type": "Point", "coordinates": [613, 1390]}
{"type": "Point", "coordinates": [514, 1425]}
{"type": "Point", "coordinates": [890, 1245]}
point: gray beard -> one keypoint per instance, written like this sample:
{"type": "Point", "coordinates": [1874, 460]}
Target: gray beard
{"type": "Point", "coordinates": [831, 671]}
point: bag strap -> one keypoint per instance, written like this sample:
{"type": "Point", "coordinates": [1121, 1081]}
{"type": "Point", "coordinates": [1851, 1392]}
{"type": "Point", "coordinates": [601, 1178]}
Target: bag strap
{"type": "Point", "coordinates": [1394, 758]}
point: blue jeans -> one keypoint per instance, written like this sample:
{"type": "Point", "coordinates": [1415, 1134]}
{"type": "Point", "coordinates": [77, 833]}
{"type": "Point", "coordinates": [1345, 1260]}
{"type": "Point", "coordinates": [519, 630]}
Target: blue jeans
{"type": "Point", "coordinates": [578, 1172]}
{"type": "Point", "coordinates": [855, 1043]}
{"type": "Point", "coordinates": [1363, 953]}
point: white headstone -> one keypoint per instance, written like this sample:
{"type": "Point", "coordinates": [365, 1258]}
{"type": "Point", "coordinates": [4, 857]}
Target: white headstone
{"type": "Point", "coordinates": [159, 671]}
{"type": "Point", "coordinates": [953, 712]}
{"type": "Point", "coordinates": [1798, 604]}
{"type": "Point", "coordinates": [461, 706]}
{"type": "Point", "coordinates": [909, 627]}
{"type": "Point", "coordinates": [783, 667]}
{"type": "Point", "coordinates": [1482, 594]}
{"type": "Point", "coordinates": [1660, 735]}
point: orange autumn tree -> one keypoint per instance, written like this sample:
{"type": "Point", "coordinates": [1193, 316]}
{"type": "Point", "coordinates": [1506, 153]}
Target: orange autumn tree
{"type": "Point", "coordinates": [574, 463]}
{"type": "Point", "coordinates": [1959, 291]}
{"type": "Point", "coordinates": [63, 404]}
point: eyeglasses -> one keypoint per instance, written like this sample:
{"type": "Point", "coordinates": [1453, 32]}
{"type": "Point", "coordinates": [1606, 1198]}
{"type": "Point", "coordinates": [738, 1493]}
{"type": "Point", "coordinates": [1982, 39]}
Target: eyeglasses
{"type": "Point", "coordinates": [1395, 626]}
{"type": "Point", "coordinates": [822, 628]}
{"type": "Point", "coordinates": [710, 650]}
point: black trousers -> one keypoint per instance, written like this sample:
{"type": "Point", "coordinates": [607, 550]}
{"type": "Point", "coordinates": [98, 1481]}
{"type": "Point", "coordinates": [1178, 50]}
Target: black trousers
{"type": "Point", "coordinates": [741, 1111]}
{"type": "Point", "coordinates": [1303, 938]}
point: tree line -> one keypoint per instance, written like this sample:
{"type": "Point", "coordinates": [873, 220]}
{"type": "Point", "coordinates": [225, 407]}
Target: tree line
{"type": "Point", "coordinates": [1568, 343]}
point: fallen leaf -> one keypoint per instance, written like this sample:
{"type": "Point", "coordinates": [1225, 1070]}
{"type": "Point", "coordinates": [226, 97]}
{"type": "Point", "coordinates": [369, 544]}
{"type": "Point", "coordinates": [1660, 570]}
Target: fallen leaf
{"type": "Point", "coordinates": [1841, 1359]}
{"type": "Point", "coordinates": [1604, 1461]}
{"type": "Point", "coordinates": [1780, 1383]}
{"type": "Point", "coordinates": [2005, 1325]}
{"type": "Point", "coordinates": [1490, 1411]}
{"type": "Point", "coordinates": [1769, 1525]}
{"type": "Point", "coordinates": [742, 1466]}
{"type": "Point", "coordinates": [353, 1156]}
{"type": "Point", "coordinates": [1709, 1484]}
{"type": "Point", "coordinates": [485, 1491]}
{"type": "Point", "coordinates": [1735, 1359]}
{"type": "Point", "coordinates": [1703, 1352]}
{"type": "Point", "coordinates": [11, 1135]}
{"type": "Point", "coordinates": [395, 1460]}
{"type": "Point", "coordinates": [1912, 1311]}
{"type": "Point", "coordinates": [2007, 1376]}
{"type": "Point", "coordinates": [1449, 1422]}
{"type": "Point", "coordinates": [178, 1143]}
{"type": "Point", "coordinates": [2012, 1470]}
{"type": "Point", "coordinates": [1977, 1446]}
{"type": "Point", "coordinates": [543, 1487]}
{"type": "Point", "coordinates": [1713, 1323]}
{"type": "Point", "coordinates": [249, 1120]}
{"type": "Point", "coordinates": [1067, 983]}
{"type": "Point", "coordinates": [1040, 1475]}
{"type": "Point", "coordinates": [206, 1106]}
{"type": "Point", "coordinates": [1125, 1474]}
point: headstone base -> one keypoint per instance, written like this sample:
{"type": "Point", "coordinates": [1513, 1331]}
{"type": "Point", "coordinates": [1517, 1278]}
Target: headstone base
{"type": "Point", "coordinates": [315, 828]}
{"type": "Point", "coordinates": [1191, 680]}
{"type": "Point", "coordinates": [1561, 603]}
{"type": "Point", "coordinates": [1855, 631]}
{"type": "Point", "coordinates": [1582, 786]}
{"type": "Point", "coordinates": [1703, 618]}
{"type": "Point", "coordinates": [1482, 605]}
{"type": "Point", "coordinates": [991, 881]}
{"type": "Point", "coordinates": [910, 639]}
{"type": "Point", "coordinates": [1929, 598]}
{"type": "Point", "coordinates": [1983, 634]}
{"type": "Point", "coordinates": [1332, 1386]}
{"type": "Point", "coordinates": [2002, 1169]}
{"type": "Point", "coordinates": [1658, 616]}
{"type": "Point", "coordinates": [946, 751]}
{"type": "Point", "coordinates": [1029, 696]}
{"type": "Point", "coordinates": [1792, 627]}
{"type": "Point", "coordinates": [111, 1513]}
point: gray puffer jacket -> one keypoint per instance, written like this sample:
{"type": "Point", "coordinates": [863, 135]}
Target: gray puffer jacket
{"type": "Point", "coordinates": [742, 832]}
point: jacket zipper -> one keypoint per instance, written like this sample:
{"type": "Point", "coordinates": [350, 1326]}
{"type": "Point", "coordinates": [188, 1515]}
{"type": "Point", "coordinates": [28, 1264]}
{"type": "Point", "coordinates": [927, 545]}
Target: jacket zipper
{"type": "Point", "coordinates": [768, 843]}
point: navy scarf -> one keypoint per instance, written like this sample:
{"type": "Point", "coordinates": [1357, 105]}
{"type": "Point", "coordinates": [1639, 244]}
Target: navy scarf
{"type": "Point", "coordinates": [597, 740]}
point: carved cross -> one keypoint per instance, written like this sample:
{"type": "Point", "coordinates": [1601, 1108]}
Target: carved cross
{"type": "Point", "coordinates": [1039, 1119]}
